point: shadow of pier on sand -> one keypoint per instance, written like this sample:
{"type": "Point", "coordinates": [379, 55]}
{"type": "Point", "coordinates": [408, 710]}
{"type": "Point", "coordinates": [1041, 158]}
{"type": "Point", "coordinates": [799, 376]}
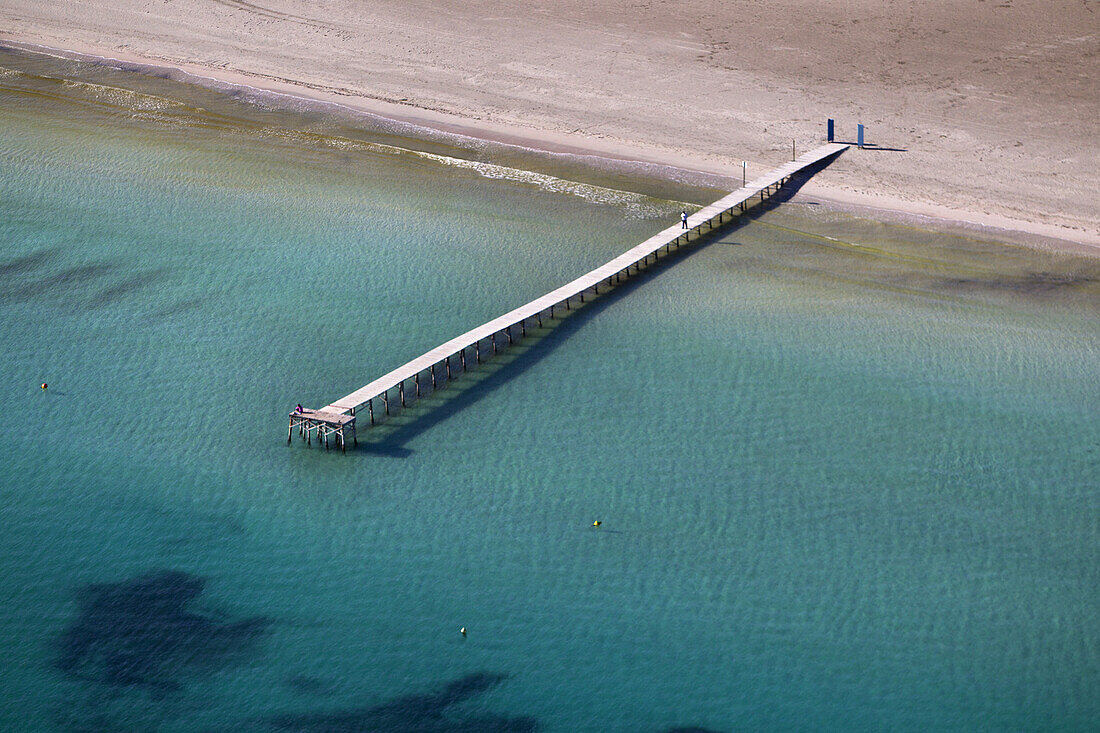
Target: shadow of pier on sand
{"type": "Point", "coordinates": [874, 146]}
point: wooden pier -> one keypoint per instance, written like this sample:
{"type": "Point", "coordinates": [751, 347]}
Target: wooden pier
{"type": "Point", "coordinates": [398, 388]}
{"type": "Point", "coordinates": [325, 424]}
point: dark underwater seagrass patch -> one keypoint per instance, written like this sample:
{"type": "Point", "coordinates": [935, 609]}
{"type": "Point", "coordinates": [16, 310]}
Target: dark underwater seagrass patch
{"type": "Point", "coordinates": [431, 712]}
{"type": "Point", "coordinates": [141, 633]}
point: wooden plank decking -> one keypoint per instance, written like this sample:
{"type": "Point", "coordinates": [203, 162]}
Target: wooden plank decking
{"type": "Point", "coordinates": [452, 355]}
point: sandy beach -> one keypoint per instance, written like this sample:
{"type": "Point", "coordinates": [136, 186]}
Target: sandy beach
{"type": "Point", "coordinates": [982, 112]}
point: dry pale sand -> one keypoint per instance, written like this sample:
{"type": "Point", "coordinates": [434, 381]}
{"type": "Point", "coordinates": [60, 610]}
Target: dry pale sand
{"type": "Point", "coordinates": [986, 110]}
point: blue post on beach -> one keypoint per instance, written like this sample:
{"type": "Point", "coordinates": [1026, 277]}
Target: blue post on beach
{"type": "Point", "coordinates": [859, 134]}
{"type": "Point", "coordinates": [829, 131]}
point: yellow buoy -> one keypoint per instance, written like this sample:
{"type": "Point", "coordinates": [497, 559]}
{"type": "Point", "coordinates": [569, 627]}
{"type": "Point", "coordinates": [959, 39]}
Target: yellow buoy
{"type": "Point", "coordinates": [43, 385]}
{"type": "Point", "coordinates": [462, 631]}
{"type": "Point", "coordinates": [597, 523]}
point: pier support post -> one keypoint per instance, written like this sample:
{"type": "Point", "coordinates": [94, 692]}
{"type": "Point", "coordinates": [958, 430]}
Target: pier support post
{"type": "Point", "coordinates": [401, 392]}
{"type": "Point", "coordinates": [493, 342]}
{"type": "Point", "coordinates": [448, 361]}
{"type": "Point", "coordinates": [416, 382]}
{"type": "Point", "coordinates": [433, 377]}
{"type": "Point", "coordinates": [290, 431]}
{"type": "Point", "coordinates": [477, 350]}
{"type": "Point", "coordinates": [370, 410]}
{"type": "Point", "coordinates": [463, 359]}
{"type": "Point", "coordinates": [523, 328]}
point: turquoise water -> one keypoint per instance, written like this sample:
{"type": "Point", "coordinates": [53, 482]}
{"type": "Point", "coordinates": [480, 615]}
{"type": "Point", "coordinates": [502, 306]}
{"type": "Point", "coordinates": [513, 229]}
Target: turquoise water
{"type": "Point", "coordinates": [846, 471]}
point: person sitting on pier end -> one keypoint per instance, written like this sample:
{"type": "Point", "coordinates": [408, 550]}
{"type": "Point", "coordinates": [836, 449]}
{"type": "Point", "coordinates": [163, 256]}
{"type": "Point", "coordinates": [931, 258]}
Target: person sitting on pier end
{"type": "Point", "coordinates": [298, 408]}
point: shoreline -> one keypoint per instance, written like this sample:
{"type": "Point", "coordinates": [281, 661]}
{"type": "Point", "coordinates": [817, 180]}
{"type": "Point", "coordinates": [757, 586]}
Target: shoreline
{"type": "Point", "coordinates": [604, 154]}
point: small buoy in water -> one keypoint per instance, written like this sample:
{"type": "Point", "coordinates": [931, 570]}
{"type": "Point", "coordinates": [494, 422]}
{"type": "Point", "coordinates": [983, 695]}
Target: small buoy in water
{"type": "Point", "coordinates": [462, 631]}
{"type": "Point", "coordinates": [597, 523]}
{"type": "Point", "coordinates": [44, 385]}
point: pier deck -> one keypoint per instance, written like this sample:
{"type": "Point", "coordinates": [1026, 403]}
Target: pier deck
{"type": "Point", "coordinates": [325, 423]}
{"type": "Point", "coordinates": [440, 361]}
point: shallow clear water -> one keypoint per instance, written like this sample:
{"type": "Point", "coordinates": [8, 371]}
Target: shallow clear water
{"type": "Point", "coordinates": [846, 471]}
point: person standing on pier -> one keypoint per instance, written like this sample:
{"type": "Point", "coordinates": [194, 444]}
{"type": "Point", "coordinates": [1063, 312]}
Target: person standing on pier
{"type": "Point", "coordinates": [683, 220]}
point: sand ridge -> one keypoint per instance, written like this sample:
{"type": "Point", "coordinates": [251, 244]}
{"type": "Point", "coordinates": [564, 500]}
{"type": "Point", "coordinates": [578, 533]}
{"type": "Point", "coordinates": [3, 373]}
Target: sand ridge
{"type": "Point", "coordinates": [983, 111]}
